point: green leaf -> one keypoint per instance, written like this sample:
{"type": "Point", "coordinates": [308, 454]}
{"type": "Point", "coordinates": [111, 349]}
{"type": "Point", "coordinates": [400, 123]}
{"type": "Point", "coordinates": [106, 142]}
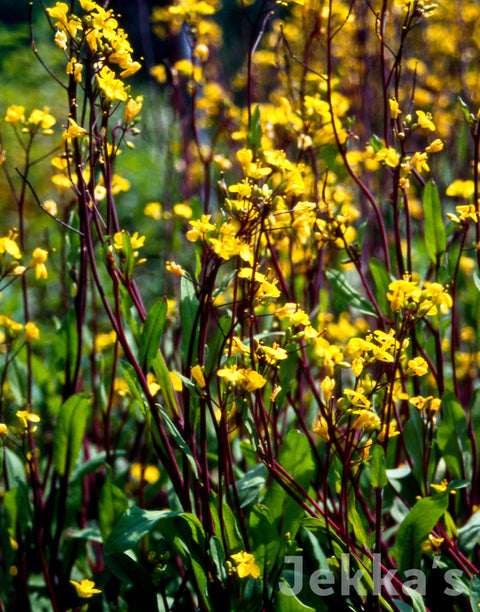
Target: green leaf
{"type": "Point", "coordinates": [218, 557]}
{"type": "Point", "coordinates": [355, 519]}
{"type": "Point", "coordinates": [162, 375]}
{"type": "Point", "coordinates": [133, 386]}
{"type": "Point", "coordinates": [476, 280]}
{"type": "Point", "coordinates": [469, 117]}
{"type": "Point", "coordinates": [250, 485]}
{"type": "Point", "coordinates": [225, 526]}
{"type": "Point", "coordinates": [287, 601]}
{"type": "Point", "coordinates": [112, 504]}
{"type": "Point", "coordinates": [378, 472]}
{"type": "Point", "coordinates": [296, 459]}
{"type": "Point", "coordinates": [469, 534]}
{"type": "Point", "coordinates": [128, 571]}
{"type": "Point", "coordinates": [382, 279]}
{"type": "Point", "coordinates": [188, 312]}
{"type": "Point", "coordinates": [413, 437]}
{"type": "Point", "coordinates": [134, 525]}
{"type": "Point", "coordinates": [348, 293]}
{"type": "Point", "coordinates": [68, 432]}
{"type": "Point", "coordinates": [151, 333]}
{"type": "Point", "coordinates": [475, 592]}
{"type": "Point", "coordinates": [171, 427]}
{"type": "Point", "coordinates": [435, 235]}
{"type": "Point", "coordinates": [416, 526]}
{"type": "Point", "coordinates": [254, 136]}
{"type": "Point", "coordinates": [452, 435]}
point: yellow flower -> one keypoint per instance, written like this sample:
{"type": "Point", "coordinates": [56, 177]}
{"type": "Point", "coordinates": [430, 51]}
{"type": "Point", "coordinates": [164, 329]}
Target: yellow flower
{"type": "Point", "coordinates": [431, 543]}
{"type": "Point", "coordinates": [183, 210]}
{"type": "Point", "coordinates": [26, 417]}
{"type": "Point", "coordinates": [357, 399]}
{"type": "Point", "coordinates": [31, 331]}
{"type": "Point", "coordinates": [86, 588]}
{"type": "Point", "coordinates": [61, 39]}
{"type": "Point", "coordinates": [15, 114]}
{"type": "Point", "coordinates": [321, 428]}
{"type": "Point", "coordinates": [231, 373]}
{"type": "Point", "coordinates": [390, 429]}
{"type": "Point", "coordinates": [417, 367]}
{"type": "Point", "coordinates": [425, 120]}
{"type": "Point", "coordinates": [42, 118]}
{"type": "Point", "coordinates": [73, 131]}
{"type": "Point", "coordinates": [246, 565]}
{"type": "Point", "coordinates": [252, 380]}
{"type": "Point", "coordinates": [327, 385]}
{"type": "Point", "coordinates": [153, 386]}
{"type": "Point", "coordinates": [8, 245]}
{"type": "Point", "coordinates": [75, 68]}
{"type": "Point", "coordinates": [3, 429]}
{"type": "Point", "coordinates": [149, 473]}
{"type": "Point", "coordinates": [440, 488]}
{"type": "Point", "coordinates": [462, 189]}
{"type": "Point", "coordinates": [435, 146]}
{"type": "Point", "coordinates": [198, 376]}
{"type": "Point", "coordinates": [394, 108]}
{"type": "Point", "coordinates": [366, 419]}
{"type": "Point", "coordinates": [176, 381]}
{"type": "Point", "coordinates": [113, 88]}
{"type": "Point", "coordinates": [174, 268]}
{"type": "Point", "coordinates": [153, 210]}
{"type": "Point", "coordinates": [132, 108]}
{"type": "Point", "coordinates": [388, 156]}
{"type": "Point", "coordinates": [38, 262]}
{"type": "Point", "coordinates": [200, 228]}
{"type": "Point", "coordinates": [159, 73]}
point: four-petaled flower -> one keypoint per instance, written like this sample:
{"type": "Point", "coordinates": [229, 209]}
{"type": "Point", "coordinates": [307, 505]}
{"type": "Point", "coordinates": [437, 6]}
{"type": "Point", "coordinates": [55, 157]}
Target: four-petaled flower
{"type": "Point", "coordinates": [86, 588]}
{"type": "Point", "coordinates": [246, 565]}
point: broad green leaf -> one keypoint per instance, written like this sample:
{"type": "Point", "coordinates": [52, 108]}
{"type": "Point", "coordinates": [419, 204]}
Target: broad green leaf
{"type": "Point", "coordinates": [265, 537]}
{"type": "Point", "coordinates": [469, 534]}
{"type": "Point", "coordinates": [475, 592]}
{"type": "Point", "coordinates": [250, 485]}
{"type": "Point", "coordinates": [134, 525]}
{"type": "Point", "coordinates": [218, 557]}
{"type": "Point", "coordinates": [287, 601]}
{"type": "Point", "coordinates": [225, 526]}
{"type": "Point", "coordinates": [68, 432]}
{"type": "Point", "coordinates": [296, 459]}
{"type": "Point", "coordinates": [435, 235]}
{"type": "Point", "coordinates": [254, 136]}
{"type": "Point", "coordinates": [417, 599]}
{"type": "Point", "coordinates": [89, 533]}
{"type": "Point", "coordinates": [92, 464]}
{"type": "Point", "coordinates": [129, 571]}
{"type": "Point", "coordinates": [382, 279]}
{"type": "Point", "coordinates": [415, 528]}
{"type": "Point", "coordinates": [112, 504]}
{"type": "Point", "coordinates": [341, 286]}
{"type": "Point", "coordinates": [151, 333]}
{"type": "Point", "coordinates": [452, 435]}
{"type": "Point", "coordinates": [378, 472]}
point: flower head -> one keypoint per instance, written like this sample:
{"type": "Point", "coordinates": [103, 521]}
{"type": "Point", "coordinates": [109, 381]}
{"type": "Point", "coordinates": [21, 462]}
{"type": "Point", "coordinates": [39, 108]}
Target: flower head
{"type": "Point", "coordinates": [246, 565]}
{"type": "Point", "coordinates": [86, 588]}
